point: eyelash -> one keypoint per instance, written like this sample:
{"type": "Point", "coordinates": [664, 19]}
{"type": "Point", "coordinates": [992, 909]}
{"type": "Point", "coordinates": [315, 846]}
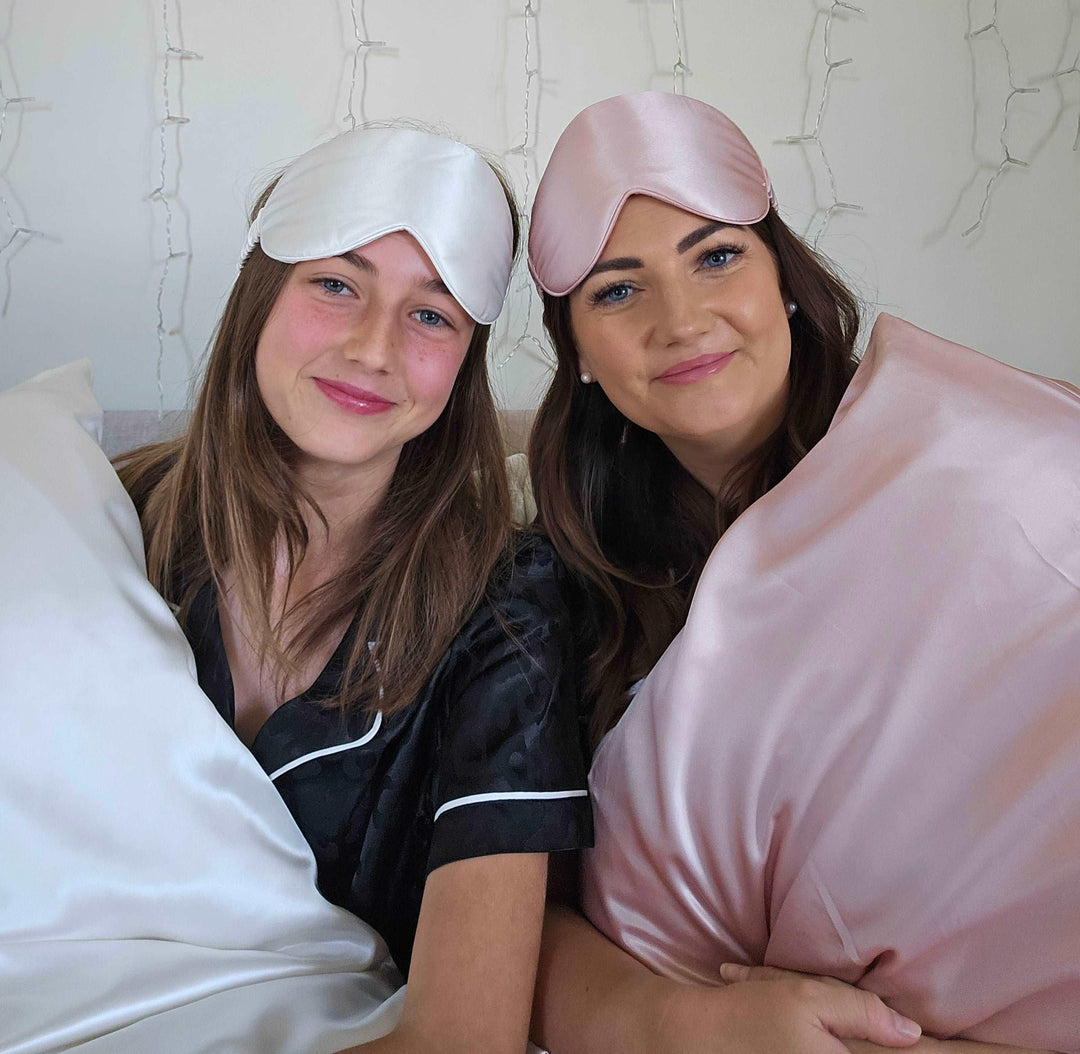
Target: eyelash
{"type": "Point", "coordinates": [732, 250]}
{"type": "Point", "coordinates": [345, 291]}
{"type": "Point", "coordinates": [599, 298]}
{"type": "Point", "coordinates": [443, 320]}
{"type": "Point", "coordinates": [324, 282]}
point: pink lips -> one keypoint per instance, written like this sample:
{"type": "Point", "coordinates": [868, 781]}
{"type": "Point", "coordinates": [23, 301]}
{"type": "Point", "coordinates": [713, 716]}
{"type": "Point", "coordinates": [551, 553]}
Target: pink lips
{"type": "Point", "coordinates": [691, 370]}
{"type": "Point", "coordinates": [354, 400]}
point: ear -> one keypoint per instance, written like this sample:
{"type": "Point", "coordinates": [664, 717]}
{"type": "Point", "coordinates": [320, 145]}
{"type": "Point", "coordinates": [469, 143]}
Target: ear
{"type": "Point", "coordinates": [585, 374]}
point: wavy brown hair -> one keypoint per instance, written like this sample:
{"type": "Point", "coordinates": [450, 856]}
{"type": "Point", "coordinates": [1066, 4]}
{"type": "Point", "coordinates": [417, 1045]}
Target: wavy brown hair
{"type": "Point", "coordinates": [225, 496]}
{"type": "Point", "coordinates": [631, 523]}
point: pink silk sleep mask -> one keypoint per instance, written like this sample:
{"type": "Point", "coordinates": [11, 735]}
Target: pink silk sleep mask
{"type": "Point", "coordinates": [679, 150]}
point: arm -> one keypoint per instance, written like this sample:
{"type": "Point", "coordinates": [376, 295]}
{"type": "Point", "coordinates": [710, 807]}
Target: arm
{"type": "Point", "coordinates": [474, 960]}
{"type": "Point", "coordinates": [592, 998]}
{"type": "Point", "coordinates": [926, 1045]}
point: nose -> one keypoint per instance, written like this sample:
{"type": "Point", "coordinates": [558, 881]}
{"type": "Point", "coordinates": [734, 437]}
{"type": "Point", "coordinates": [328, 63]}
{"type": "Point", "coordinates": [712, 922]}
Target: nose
{"type": "Point", "coordinates": [682, 313]}
{"type": "Point", "coordinates": [372, 340]}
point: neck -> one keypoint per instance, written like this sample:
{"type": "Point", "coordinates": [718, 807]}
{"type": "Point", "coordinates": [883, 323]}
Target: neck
{"type": "Point", "coordinates": [347, 496]}
{"type": "Point", "coordinates": [710, 459]}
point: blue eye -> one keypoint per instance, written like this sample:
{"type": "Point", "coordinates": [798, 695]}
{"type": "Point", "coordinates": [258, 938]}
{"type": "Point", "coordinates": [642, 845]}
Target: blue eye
{"type": "Point", "coordinates": [612, 294]}
{"type": "Point", "coordinates": [720, 256]}
{"type": "Point", "coordinates": [334, 286]}
{"type": "Point", "coordinates": [426, 317]}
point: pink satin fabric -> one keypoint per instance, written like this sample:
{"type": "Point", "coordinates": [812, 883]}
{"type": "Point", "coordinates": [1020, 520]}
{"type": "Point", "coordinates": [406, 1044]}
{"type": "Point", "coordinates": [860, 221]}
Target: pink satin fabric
{"type": "Point", "coordinates": [861, 756]}
{"type": "Point", "coordinates": [680, 150]}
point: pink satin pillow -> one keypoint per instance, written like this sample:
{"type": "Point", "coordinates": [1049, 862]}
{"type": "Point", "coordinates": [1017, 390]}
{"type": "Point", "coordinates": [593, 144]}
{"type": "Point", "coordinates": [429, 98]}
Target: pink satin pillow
{"type": "Point", "coordinates": [861, 756]}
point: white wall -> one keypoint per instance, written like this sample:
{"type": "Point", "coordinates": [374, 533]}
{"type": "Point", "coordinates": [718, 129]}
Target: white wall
{"type": "Point", "coordinates": [898, 129]}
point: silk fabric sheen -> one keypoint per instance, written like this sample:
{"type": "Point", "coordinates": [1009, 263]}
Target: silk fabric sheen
{"type": "Point", "coordinates": [155, 893]}
{"type": "Point", "coordinates": [861, 756]}
{"type": "Point", "coordinates": [363, 184]}
{"type": "Point", "coordinates": [670, 147]}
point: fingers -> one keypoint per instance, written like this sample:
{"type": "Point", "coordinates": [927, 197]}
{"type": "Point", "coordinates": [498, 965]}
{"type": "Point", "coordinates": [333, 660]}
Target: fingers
{"type": "Point", "coordinates": [845, 1011]}
{"type": "Point", "coordinates": [855, 1014]}
{"type": "Point", "coordinates": [733, 972]}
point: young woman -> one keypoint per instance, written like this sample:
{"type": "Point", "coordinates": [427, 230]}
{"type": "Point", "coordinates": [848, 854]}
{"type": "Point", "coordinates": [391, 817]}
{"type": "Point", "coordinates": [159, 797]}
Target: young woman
{"type": "Point", "coordinates": [334, 532]}
{"type": "Point", "coordinates": [703, 350]}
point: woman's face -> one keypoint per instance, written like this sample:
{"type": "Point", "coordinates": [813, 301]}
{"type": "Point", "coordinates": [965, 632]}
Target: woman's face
{"type": "Point", "coordinates": [360, 353]}
{"type": "Point", "coordinates": [682, 323]}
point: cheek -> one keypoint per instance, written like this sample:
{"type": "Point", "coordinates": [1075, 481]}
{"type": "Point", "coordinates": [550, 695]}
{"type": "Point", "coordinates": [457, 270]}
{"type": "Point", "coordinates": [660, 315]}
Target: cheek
{"type": "Point", "coordinates": [761, 319]}
{"type": "Point", "coordinates": [296, 332]}
{"type": "Point", "coordinates": [431, 368]}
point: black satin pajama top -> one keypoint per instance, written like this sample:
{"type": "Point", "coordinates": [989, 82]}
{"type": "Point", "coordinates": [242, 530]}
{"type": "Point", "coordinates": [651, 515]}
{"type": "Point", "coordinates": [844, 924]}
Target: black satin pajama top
{"type": "Point", "coordinates": [488, 759]}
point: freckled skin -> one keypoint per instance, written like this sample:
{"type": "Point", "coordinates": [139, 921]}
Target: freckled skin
{"type": "Point", "coordinates": [676, 307]}
{"type": "Point", "coordinates": [382, 328]}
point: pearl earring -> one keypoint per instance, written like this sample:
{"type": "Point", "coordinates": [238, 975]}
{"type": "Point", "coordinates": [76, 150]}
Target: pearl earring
{"type": "Point", "coordinates": [586, 377]}
{"type": "Point", "coordinates": [791, 307]}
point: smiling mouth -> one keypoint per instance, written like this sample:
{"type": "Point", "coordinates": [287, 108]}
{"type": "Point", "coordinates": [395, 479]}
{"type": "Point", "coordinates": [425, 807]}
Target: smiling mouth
{"type": "Point", "coordinates": [691, 370]}
{"type": "Point", "coordinates": [352, 399]}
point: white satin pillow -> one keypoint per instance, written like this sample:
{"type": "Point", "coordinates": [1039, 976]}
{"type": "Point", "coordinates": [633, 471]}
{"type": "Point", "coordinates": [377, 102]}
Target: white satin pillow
{"type": "Point", "coordinates": [155, 893]}
{"type": "Point", "coordinates": [861, 756]}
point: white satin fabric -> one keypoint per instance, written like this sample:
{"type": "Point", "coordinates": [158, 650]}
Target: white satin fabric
{"type": "Point", "coordinates": [155, 893]}
{"type": "Point", "coordinates": [861, 756]}
{"type": "Point", "coordinates": [363, 184]}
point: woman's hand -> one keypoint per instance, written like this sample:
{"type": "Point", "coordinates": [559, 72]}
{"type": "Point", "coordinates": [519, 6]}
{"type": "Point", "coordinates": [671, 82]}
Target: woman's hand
{"type": "Point", "coordinates": [776, 1015]}
{"type": "Point", "coordinates": [734, 974]}
{"type": "Point", "coordinates": [593, 998]}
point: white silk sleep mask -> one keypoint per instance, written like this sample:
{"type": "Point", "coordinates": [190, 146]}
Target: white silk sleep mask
{"type": "Point", "coordinates": [670, 147]}
{"type": "Point", "coordinates": [371, 181]}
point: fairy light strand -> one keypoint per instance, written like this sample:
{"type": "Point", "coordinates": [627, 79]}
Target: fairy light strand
{"type": "Point", "coordinates": [836, 204]}
{"type": "Point", "coordinates": [18, 230]}
{"type": "Point", "coordinates": [527, 151]}
{"type": "Point", "coordinates": [1007, 158]}
{"type": "Point", "coordinates": [1074, 68]}
{"type": "Point", "coordinates": [362, 48]}
{"type": "Point", "coordinates": [1070, 21]}
{"type": "Point", "coordinates": [160, 194]}
{"type": "Point", "coordinates": [679, 68]}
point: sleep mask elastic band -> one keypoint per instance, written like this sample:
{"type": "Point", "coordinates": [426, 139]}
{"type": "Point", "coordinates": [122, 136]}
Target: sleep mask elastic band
{"type": "Point", "coordinates": [372, 181]}
{"type": "Point", "coordinates": [670, 147]}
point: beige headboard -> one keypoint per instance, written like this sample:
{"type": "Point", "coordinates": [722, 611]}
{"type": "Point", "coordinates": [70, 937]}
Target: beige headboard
{"type": "Point", "coordinates": [127, 429]}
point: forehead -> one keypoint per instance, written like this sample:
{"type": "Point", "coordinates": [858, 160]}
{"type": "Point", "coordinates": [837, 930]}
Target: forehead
{"type": "Point", "coordinates": [398, 250]}
{"type": "Point", "coordinates": [651, 221]}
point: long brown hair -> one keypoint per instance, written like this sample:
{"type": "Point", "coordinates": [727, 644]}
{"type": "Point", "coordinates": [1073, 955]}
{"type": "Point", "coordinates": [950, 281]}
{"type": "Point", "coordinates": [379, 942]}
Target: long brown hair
{"type": "Point", "coordinates": [632, 524]}
{"type": "Point", "coordinates": [225, 496]}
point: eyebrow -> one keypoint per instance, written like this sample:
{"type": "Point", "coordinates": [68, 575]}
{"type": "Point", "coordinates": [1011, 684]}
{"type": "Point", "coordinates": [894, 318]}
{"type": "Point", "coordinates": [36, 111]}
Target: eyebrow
{"type": "Point", "coordinates": [626, 263]}
{"type": "Point", "coordinates": [430, 285]}
{"type": "Point", "coordinates": [699, 235]}
{"type": "Point", "coordinates": [620, 263]}
{"type": "Point", "coordinates": [358, 261]}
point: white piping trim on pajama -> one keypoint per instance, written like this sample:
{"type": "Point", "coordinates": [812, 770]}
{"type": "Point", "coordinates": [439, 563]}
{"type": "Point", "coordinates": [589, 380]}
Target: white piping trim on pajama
{"type": "Point", "coordinates": [476, 799]}
{"type": "Point", "coordinates": [365, 738]}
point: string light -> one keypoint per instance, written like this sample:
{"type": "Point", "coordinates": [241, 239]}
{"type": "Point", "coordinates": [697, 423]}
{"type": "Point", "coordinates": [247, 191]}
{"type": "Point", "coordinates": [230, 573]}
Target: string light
{"type": "Point", "coordinates": [18, 230]}
{"type": "Point", "coordinates": [1007, 158]}
{"type": "Point", "coordinates": [362, 48]}
{"type": "Point", "coordinates": [679, 69]}
{"type": "Point", "coordinates": [160, 194]}
{"type": "Point", "coordinates": [814, 136]}
{"type": "Point", "coordinates": [528, 159]}
{"type": "Point", "coordinates": [1074, 68]}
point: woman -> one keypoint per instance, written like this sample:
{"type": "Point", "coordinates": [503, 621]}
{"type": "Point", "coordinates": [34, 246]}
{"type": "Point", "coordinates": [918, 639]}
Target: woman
{"type": "Point", "coordinates": [703, 351]}
{"type": "Point", "coordinates": [334, 532]}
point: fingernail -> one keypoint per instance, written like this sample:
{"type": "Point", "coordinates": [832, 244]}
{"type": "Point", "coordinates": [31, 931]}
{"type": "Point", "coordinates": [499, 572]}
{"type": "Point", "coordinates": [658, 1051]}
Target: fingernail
{"type": "Point", "coordinates": [905, 1026]}
{"type": "Point", "coordinates": [734, 972]}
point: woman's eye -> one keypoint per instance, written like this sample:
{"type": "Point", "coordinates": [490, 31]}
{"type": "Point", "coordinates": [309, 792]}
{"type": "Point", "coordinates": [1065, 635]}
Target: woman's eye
{"type": "Point", "coordinates": [613, 294]}
{"type": "Point", "coordinates": [334, 286]}
{"type": "Point", "coordinates": [426, 317]}
{"type": "Point", "coordinates": [720, 256]}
